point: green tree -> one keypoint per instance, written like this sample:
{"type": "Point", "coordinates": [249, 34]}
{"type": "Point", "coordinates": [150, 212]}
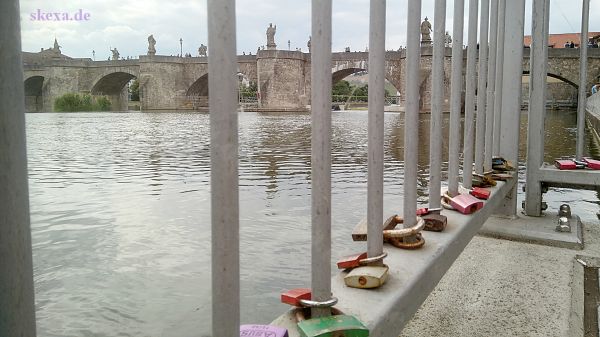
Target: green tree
{"type": "Point", "coordinates": [342, 88]}
{"type": "Point", "coordinates": [134, 89]}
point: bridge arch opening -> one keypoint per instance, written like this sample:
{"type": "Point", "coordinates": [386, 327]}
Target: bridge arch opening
{"type": "Point", "coordinates": [560, 91]}
{"type": "Point", "coordinates": [115, 86]}
{"type": "Point", "coordinates": [353, 92]}
{"type": "Point", "coordinates": [196, 96]}
{"type": "Point", "coordinates": [34, 97]}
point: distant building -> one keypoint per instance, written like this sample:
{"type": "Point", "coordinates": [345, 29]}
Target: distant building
{"type": "Point", "coordinates": [561, 40]}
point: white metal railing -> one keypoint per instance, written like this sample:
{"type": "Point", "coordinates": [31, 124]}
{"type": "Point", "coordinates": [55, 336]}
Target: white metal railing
{"type": "Point", "coordinates": [421, 270]}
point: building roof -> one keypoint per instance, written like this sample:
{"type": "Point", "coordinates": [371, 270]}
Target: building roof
{"type": "Point", "coordinates": [559, 40]}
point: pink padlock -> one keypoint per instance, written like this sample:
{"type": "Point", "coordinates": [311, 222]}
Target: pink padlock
{"type": "Point", "coordinates": [592, 163]}
{"type": "Point", "coordinates": [466, 203]}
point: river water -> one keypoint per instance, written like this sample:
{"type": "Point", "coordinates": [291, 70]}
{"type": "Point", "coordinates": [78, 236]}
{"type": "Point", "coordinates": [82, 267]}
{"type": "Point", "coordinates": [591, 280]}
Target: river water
{"type": "Point", "coordinates": [121, 217]}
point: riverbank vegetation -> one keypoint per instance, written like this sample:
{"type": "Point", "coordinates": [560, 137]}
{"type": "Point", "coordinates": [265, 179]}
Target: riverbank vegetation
{"type": "Point", "coordinates": [72, 102]}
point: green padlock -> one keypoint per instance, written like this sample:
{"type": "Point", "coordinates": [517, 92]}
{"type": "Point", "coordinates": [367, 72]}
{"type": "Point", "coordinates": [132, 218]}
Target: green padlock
{"type": "Point", "coordinates": [333, 326]}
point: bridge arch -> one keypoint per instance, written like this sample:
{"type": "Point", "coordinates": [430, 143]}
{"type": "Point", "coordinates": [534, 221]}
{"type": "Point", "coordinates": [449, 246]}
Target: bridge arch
{"type": "Point", "coordinates": [558, 77]}
{"type": "Point", "coordinates": [34, 97]}
{"type": "Point", "coordinates": [113, 85]}
{"type": "Point", "coordinates": [340, 74]}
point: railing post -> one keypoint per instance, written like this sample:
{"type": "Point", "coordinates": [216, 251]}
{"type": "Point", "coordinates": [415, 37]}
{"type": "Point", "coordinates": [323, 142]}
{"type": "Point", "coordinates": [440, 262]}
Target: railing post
{"type": "Point", "coordinates": [499, 77]}
{"type": "Point", "coordinates": [470, 95]}
{"type": "Point", "coordinates": [511, 91]}
{"type": "Point", "coordinates": [482, 85]}
{"type": "Point", "coordinates": [376, 127]}
{"type": "Point", "coordinates": [437, 94]}
{"type": "Point", "coordinates": [321, 153]}
{"type": "Point", "coordinates": [455, 96]}
{"type": "Point", "coordinates": [411, 116]}
{"type": "Point", "coordinates": [537, 105]}
{"type": "Point", "coordinates": [583, 62]}
{"type": "Point", "coordinates": [491, 87]}
{"type": "Point", "coordinates": [17, 310]}
{"type": "Point", "coordinates": [222, 72]}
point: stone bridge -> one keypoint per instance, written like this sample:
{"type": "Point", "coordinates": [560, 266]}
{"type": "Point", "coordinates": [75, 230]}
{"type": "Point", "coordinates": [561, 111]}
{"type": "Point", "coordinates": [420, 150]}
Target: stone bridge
{"type": "Point", "coordinates": [283, 77]}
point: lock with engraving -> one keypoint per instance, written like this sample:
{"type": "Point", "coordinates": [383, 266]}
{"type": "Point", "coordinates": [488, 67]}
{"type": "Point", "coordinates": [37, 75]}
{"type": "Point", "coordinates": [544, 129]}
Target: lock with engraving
{"type": "Point", "coordinates": [480, 193]}
{"type": "Point", "coordinates": [258, 330]}
{"type": "Point", "coordinates": [463, 203]}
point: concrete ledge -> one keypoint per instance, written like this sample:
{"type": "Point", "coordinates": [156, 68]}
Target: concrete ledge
{"type": "Point", "coordinates": [583, 178]}
{"type": "Point", "coordinates": [413, 274]}
{"type": "Point", "coordinates": [539, 230]}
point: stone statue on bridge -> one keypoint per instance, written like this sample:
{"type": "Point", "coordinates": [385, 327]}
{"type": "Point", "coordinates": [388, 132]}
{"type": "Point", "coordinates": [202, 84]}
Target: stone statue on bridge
{"type": "Point", "coordinates": [202, 50]}
{"type": "Point", "coordinates": [308, 43]}
{"type": "Point", "coordinates": [426, 32]}
{"type": "Point", "coordinates": [271, 37]}
{"type": "Point", "coordinates": [151, 44]}
{"type": "Point", "coordinates": [115, 53]}
{"type": "Point", "coordinates": [448, 40]}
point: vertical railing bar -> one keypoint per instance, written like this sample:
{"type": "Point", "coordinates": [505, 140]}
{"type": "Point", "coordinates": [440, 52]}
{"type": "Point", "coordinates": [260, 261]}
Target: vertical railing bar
{"type": "Point", "coordinates": [482, 85]}
{"type": "Point", "coordinates": [222, 70]}
{"type": "Point", "coordinates": [411, 116]}
{"type": "Point", "coordinates": [537, 105]}
{"type": "Point", "coordinates": [583, 62]}
{"type": "Point", "coordinates": [321, 153]}
{"type": "Point", "coordinates": [470, 95]}
{"type": "Point", "coordinates": [456, 81]}
{"type": "Point", "coordinates": [437, 94]}
{"type": "Point", "coordinates": [17, 310]}
{"type": "Point", "coordinates": [491, 85]}
{"type": "Point", "coordinates": [511, 104]}
{"type": "Point", "coordinates": [376, 127]}
{"type": "Point", "coordinates": [499, 77]}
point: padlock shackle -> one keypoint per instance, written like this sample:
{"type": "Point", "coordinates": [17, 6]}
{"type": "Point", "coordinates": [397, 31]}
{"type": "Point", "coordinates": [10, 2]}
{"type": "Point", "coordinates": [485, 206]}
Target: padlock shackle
{"type": "Point", "coordinates": [404, 232]}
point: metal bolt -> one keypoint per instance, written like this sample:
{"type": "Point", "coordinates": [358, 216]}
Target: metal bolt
{"type": "Point", "coordinates": [564, 210]}
{"type": "Point", "coordinates": [564, 225]}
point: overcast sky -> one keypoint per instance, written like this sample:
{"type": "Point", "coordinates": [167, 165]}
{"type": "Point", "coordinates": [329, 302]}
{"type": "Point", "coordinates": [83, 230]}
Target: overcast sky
{"type": "Point", "coordinates": [126, 24]}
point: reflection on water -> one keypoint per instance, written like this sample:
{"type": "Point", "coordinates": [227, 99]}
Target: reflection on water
{"type": "Point", "coordinates": [121, 216]}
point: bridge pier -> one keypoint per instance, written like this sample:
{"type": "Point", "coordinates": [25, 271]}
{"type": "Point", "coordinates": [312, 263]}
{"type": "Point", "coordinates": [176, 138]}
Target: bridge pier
{"type": "Point", "coordinates": [283, 80]}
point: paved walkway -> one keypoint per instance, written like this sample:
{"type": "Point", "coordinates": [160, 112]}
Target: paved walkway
{"type": "Point", "coordinates": [503, 288]}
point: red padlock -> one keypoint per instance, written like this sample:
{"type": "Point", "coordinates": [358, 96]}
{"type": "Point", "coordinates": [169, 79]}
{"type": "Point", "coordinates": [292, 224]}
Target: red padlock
{"type": "Point", "coordinates": [480, 193]}
{"type": "Point", "coordinates": [466, 203]}
{"type": "Point", "coordinates": [592, 163]}
{"type": "Point", "coordinates": [565, 164]}
{"type": "Point", "coordinates": [293, 297]}
{"type": "Point", "coordinates": [351, 261]}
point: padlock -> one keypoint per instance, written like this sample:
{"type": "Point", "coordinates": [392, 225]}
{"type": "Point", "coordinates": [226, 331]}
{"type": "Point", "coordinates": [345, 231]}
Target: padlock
{"type": "Point", "coordinates": [425, 211]}
{"type": "Point", "coordinates": [351, 261]}
{"type": "Point", "coordinates": [482, 180]}
{"type": "Point", "coordinates": [360, 231]}
{"type": "Point", "coordinates": [502, 176]}
{"type": "Point", "coordinates": [333, 326]}
{"type": "Point", "coordinates": [480, 193]}
{"type": "Point", "coordinates": [435, 222]}
{"type": "Point", "coordinates": [293, 297]}
{"type": "Point", "coordinates": [465, 203]}
{"type": "Point", "coordinates": [257, 330]}
{"type": "Point", "coordinates": [565, 164]}
{"type": "Point", "coordinates": [592, 163]}
{"type": "Point", "coordinates": [367, 277]}
{"type": "Point", "coordinates": [501, 164]}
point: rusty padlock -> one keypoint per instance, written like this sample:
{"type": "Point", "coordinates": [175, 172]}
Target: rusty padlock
{"type": "Point", "coordinates": [434, 221]}
{"type": "Point", "coordinates": [463, 203]}
{"type": "Point", "coordinates": [407, 238]}
{"type": "Point", "coordinates": [483, 180]}
{"type": "Point", "coordinates": [259, 330]}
